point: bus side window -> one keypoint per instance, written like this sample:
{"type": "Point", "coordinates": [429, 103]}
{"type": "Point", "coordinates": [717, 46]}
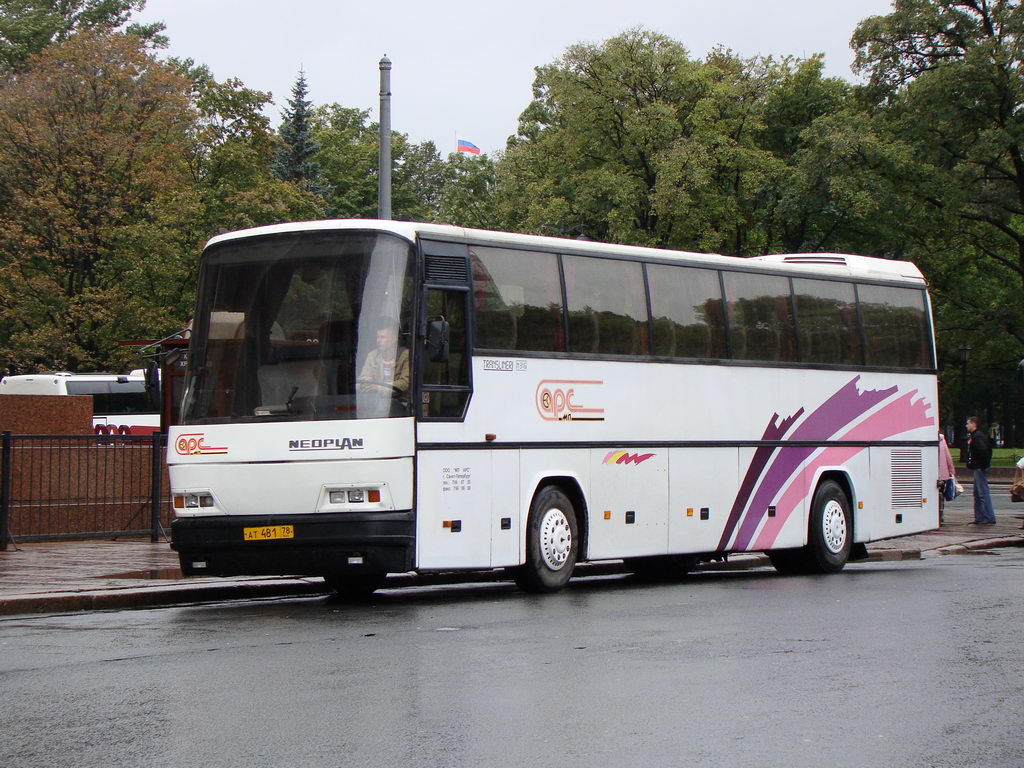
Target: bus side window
{"type": "Point", "coordinates": [826, 316]}
{"type": "Point", "coordinates": [760, 317]}
{"type": "Point", "coordinates": [895, 326]}
{"type": "Point", "coordinates": [517, 300]}
{"type": "Point", "coordinates": [688, 315]}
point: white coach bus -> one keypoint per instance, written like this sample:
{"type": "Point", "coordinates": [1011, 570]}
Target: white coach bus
{"type": "Point", "coordinates": [374, 397]}
{"type": "Point", "coordinates": [122, 403]}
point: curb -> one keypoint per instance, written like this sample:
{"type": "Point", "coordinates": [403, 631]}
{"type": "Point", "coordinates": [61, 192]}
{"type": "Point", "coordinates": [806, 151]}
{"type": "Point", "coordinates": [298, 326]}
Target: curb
{"type": "Point", "coordinates": [972, 546]}
{"type": "Point", "coordinates": [153, 597]}
{"type": "Point", "coordinates": [181, 592]}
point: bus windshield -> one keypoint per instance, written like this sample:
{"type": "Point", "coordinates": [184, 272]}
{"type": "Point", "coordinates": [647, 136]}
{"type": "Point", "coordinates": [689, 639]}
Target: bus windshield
{"type": "Point", "coordinates": [300, 327]}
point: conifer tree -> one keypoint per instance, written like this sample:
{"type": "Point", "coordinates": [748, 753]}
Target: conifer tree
{"type": "Point", "coordinates": [294, 158]}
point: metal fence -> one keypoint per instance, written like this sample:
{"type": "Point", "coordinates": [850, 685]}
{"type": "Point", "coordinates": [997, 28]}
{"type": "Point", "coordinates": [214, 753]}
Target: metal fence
{"type": "Point", "coordinates": [82, 486]}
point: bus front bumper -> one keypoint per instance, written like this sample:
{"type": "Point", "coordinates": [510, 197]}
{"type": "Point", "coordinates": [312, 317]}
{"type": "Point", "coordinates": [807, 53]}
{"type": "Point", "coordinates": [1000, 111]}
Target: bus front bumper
{"type": "Point", "coordinates": [295, 545]}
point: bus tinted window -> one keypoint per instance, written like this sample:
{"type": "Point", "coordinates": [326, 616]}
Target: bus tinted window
{"type": "Point", "coordinates": [114, 397]}
{"type": "Point", "coordinates": [607, 306]}
{"type": "Point", "coordinates": [760, 317]}
{"type": "Point", "coordinates": [895, 326]}
{"type": "Point", "coordinates": [826, 316]}
{"type": "Point", "coordinates": [686, 304]}
{"type": "Point", "coordinates": [518, 300]}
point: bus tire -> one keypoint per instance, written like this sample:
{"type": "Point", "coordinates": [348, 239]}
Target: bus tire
{"type": "Point", "coordinates": [829, 535]}
{"type": "Point", "coordinates": [355, 584]}
{"type": "Point", "coordinates": [661, 567]}
{"type": "Point", "coordinates": [830, 529]}
{"type": "Point", "coordinates": [552, 543]}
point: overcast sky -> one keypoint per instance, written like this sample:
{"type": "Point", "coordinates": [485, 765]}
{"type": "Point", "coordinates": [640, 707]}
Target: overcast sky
{"type": "Point", "coordinates": [465, 69]}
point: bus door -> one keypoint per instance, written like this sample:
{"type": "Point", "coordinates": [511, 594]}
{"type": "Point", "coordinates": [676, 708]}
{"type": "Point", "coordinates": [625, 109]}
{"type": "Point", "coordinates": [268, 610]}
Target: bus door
{"type": "Point", "coordinates": [453, 483]}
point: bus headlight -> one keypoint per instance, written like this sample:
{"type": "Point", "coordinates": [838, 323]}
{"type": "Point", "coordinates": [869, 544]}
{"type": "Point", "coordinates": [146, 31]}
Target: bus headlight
{"type": "Point", "coordinates": [193, 500]}
{"type": "Point", "coordinates": [355, 496]}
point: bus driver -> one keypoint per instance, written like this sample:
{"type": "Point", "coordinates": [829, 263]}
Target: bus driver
{"type": "Point", "coordinates": [384, 371]}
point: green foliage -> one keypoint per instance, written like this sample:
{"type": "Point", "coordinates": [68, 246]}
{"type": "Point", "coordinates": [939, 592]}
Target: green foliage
{"type": "Point", "coordinates": [348, 154]}
{"type": "Point", "coordinates": [231, 160]}
{"type": "Point", "coordinates": [347, 159]}
{"type": "Point", "coordinates": [468, 192]}
{"type": "Point", "coordinates": [90, 200]}
{"type": "Point", "coordinates": [634, 141]}
{"type": "Point", "coordinates": [115, 170]}
{"type": "Point", "coordinates": [28, 26]}
{"type": "Point", "coordinates": [294, 159]}
{"type": "Point", "coordinates": [947, 80]}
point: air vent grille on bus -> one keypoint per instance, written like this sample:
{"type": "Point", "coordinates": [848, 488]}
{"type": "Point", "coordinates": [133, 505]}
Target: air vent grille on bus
{"type": "Point", "coordinates": [817, 258]}
{"type": "Point", "coordinates": [447, 269]}
{"type": "Point", "coordinates": [907, 477]}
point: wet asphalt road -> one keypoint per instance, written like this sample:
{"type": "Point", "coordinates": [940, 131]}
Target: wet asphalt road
{"type": "Point", "coordinates": [887, 664]}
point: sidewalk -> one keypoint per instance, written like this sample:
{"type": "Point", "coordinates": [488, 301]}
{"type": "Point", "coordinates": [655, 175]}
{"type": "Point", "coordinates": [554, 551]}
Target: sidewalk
{"type": "Point", "coordinates": [70, 576]}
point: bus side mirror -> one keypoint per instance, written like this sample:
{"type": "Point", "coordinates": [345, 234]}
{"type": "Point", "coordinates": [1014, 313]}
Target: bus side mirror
{"type": "Point", "coordinates": [438, 345]}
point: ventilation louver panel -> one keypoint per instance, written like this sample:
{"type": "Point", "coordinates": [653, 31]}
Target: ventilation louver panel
{"type": "Point", "coordinates": [907, 478]}
{"type": "Point", "coordinates": [447, 269]}
{"type": "Point", "coordinates": [818, 258]}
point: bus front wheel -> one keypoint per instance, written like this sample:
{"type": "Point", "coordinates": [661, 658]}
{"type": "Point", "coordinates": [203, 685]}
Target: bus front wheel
{"type": "Point", "coordinates": [552, 543]}
{"type": "Point", "coordinates": [829, 535]}
{"type": "Point", "coordinates": [830, 532]}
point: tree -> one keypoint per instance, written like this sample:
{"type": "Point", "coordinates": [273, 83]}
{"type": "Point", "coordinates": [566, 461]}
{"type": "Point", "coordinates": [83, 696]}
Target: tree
{"type": "Point", "coordinates": [469, 192]}
{"type": "Point", "coordinates": [295, 160]}
{"type": "Point", "coordinates": [418, 180]}
{"type": "Point", "coordinates": [96, 132]}
{"type": "Point", "coordinates": [633, 141]}
{"type": "Point", "coordinates": [348, 156]}
{"type": "Point", "coordinates": [348, 160]}
{"type": "Point", "coordinates": [946, 77]}
{"type": "Point", "coordinates": [28, 26]}
{"type": "Point", "coordinates": [231, 157]}
{"type": "Point", "coordinates": [591, 144]}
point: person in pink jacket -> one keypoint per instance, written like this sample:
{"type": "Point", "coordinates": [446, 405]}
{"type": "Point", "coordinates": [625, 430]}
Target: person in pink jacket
{"type": "Point", "coordinates": [947, 472]}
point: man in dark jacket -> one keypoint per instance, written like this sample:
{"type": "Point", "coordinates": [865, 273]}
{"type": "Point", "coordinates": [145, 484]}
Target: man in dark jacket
{"type": "Point", "coordinates": [979, 458]}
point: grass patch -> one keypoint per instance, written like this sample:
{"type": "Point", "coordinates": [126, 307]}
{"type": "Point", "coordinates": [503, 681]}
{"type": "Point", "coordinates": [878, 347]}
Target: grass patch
{"type": "Point", "coordinates": [1001, 457]}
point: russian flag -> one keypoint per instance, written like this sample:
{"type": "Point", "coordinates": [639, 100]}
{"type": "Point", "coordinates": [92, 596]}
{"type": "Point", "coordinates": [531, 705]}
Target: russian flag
{"type": "Point", "coordinates": [467, 146]}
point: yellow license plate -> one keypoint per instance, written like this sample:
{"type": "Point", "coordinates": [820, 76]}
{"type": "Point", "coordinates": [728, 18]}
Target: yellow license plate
{"type": "Point", "coordinates": [267, 532]}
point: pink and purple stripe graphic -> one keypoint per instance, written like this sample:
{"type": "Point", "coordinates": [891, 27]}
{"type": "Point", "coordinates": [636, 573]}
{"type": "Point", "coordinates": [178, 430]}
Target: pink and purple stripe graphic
{"type": "Point", "coordinates": [780, 474]}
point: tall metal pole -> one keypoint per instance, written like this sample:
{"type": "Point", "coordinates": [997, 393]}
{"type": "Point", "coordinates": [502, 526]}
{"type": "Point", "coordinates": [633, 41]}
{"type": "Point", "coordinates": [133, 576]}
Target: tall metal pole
{"type": "Point", "coordinates": [5, 490]}
{"type": "Point", "coordinates": [384, 164]}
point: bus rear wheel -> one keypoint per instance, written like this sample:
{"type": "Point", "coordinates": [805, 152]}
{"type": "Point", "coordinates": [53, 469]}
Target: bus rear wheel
{"type": "Point", "coordinates": [552, 543]}
{"type": "Point", "coordinates": [829, 535]}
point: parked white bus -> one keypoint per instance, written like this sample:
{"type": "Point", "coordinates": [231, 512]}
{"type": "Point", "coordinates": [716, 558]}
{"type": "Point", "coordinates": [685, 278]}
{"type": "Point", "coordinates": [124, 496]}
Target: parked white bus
{"type": "Point", "coordinates": [121, 403]}
{"type": "Point", "coordinates": [372, 397]}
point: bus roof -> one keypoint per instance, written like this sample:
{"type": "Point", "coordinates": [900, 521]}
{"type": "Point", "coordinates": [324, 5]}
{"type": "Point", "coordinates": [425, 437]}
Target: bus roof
{"type": "Point", "coordinates": [37, 383]}
{"type": "Point", "coordinates": [831, 264]}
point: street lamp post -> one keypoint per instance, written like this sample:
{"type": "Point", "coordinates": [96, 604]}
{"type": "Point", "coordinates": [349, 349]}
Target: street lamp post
{"type": "Point", "coordinates": [965, 354]}
{"type": "Point", "coordinates": [384, 154]}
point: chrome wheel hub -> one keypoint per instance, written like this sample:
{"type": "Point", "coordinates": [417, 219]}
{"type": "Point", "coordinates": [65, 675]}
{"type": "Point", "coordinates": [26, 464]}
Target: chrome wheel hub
{"type": "Point", "coordinates": [833, 525]}
{"type": "Point", "coordinates": [555, 538]}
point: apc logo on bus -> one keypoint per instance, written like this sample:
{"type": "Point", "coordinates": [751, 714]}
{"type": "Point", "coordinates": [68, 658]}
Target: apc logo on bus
{"type": "Point", "coordinates": [192, 444]}
{"type": "Point", "coordinates": [558, 400]}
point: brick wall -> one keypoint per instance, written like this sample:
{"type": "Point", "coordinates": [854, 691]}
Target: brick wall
{"type": "Point", "coordinates": [46, 414]}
